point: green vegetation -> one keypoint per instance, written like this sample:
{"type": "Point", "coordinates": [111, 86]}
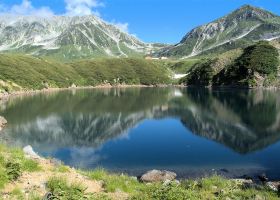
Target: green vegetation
{"type": "Point", "coordinates": [121, 71]}
{"type": "Point", "coordinates": [182, 66]}
{"type": "Point", "coordinates": [114, 182]}
{"type": "Point", "coordinates": [256, 66]}
{"type": "Point", "coordinates": [201, 74]}
{"type": "Point", "coordinates": [204, 70]}
{"type": "Point", "coordinates": [62, 190]}
{"type": "Point", "coordinates": [261, 57]}
{"type": "Point", "coordinates": [20, 72]}
{"type": "Point", "coordinates": [13, 163]}
{"type": "Point", "coordinates": [213, 188]}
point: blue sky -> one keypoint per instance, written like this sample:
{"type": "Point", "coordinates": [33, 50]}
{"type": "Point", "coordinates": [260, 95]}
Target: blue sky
{"type": "Point", "coordinates": [164, 21]}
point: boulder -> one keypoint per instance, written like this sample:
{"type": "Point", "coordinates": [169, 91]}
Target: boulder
{"type": "Point", "coordinates": [274, 186]}
{"type": "Point", "coordinates": [3, 122]}
{"type": "Point", "coordinates": [29, 152]}
{"type": "Point", "coordinates": [158, 176]}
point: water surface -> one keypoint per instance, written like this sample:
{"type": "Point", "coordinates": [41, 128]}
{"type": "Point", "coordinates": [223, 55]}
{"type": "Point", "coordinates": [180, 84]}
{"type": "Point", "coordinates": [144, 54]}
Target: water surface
{"type": "Point", "coordinates": [191, 131]}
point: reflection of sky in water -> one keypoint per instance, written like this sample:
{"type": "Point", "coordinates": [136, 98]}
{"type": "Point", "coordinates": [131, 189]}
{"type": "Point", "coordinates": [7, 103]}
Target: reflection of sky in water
{"type": "Point", "coordinates": [151, 128]}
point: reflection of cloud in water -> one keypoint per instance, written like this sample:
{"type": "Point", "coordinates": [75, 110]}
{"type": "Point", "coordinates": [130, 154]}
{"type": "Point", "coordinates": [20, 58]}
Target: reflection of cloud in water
{"type": "Point", "coordinates": [84, 157]}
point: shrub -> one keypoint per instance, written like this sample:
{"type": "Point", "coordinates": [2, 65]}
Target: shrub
{"type": "Point", "coordinates": [260, 57]}
{"type": "Point", "coordinates": [13, 170]}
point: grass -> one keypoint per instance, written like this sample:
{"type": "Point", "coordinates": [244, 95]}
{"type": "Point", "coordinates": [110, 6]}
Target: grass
{"type": "Point", "coordinates": [213, 188]}
{"type": "Point", "coordinates": [22, 72]}
{"type": "Point", "coordinates": [62, 190]}
{"type": "Point", "coordinates": [13, 163]}
{"type": "Point", "coordinates": [115, 182]}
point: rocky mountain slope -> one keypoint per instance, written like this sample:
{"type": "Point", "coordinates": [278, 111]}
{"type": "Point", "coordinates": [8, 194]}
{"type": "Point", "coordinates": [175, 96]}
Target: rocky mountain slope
{"type": "Point", "coordinates": [67, 37]}
{"type": "Point", "coordinates": [238, 29]}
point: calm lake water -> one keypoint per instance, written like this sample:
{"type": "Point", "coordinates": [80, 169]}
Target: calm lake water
{"type": "Point", "coordinates": [193, 132]}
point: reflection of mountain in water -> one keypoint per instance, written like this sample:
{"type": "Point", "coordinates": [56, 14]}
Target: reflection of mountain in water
{"type": "Point", "coordinates": [242, 120]}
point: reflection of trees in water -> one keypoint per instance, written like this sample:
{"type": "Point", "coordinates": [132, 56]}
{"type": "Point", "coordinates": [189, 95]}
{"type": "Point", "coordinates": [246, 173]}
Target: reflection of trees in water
{"type": "Point", "coordinates": [242, 120]}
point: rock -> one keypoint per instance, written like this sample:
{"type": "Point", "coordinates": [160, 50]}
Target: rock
{"type": "Point", "coordinates": [243, 182]}
{"type": "Point", "coordinates": [29, 152]}
{"type": "Point", "coordinates": [56, 162]}
{"type": "Point", "coordinates": [158, 176]}
{"type": "Point", "coordinates": [3, 122]}
{"type": "Point", "coordinates": [73, 85]}
{"type": "Point", "coordinates": [263, 178]}
{"type": "Point", "coordinates": [274, 186]}
{"type": "Point", "coordinates": [48, 196]}
{"type": "Point", "coordinates": [167, 182]}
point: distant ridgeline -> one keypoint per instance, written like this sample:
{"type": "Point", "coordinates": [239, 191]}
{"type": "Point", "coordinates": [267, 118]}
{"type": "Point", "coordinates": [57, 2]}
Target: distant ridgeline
{"type": "Point", "coordinates": [255, 66]}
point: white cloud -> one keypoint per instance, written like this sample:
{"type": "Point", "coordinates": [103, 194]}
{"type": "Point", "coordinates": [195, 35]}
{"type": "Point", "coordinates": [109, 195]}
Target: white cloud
{"type": "Point", "coordinates": [82, 7]}
{"type": "Point", "coordinates": [26, 8]}
{"type": "Point", "coordinates": [122, 26]}
{"type": "Point", "coordinates": [72, 7]}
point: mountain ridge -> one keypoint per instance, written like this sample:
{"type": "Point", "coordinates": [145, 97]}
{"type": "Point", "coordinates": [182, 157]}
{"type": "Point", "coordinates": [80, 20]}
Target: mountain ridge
{"type": "Point", "coordinates": [67, 37]}
{"type": "Point", "coordinates": [238, 29]}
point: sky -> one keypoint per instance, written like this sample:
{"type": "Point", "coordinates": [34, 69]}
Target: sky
{"type": "Point", "coordinates": [164, 21]}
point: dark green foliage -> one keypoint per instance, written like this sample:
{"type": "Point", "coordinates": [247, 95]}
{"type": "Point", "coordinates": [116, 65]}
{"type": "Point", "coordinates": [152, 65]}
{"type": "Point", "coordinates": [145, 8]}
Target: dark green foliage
{"type": "Point", "coordinates": [261, 57]}
{"type": "Point", "coordinates": [201, 74]}
{"type": "Point", "coordinates": [13, 170]}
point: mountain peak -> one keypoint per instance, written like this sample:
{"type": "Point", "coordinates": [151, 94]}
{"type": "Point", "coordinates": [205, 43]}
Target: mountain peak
{"type": "Point", "coordinates": [239, 28]}
{"type": "Point", "coordinates": [248, 11]}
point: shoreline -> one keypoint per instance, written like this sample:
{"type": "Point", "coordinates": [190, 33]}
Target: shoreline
{"type": "Point", "coordinates": [107, 86]}
{"type": "Point", "coordinates": [7, 95]}
{"type": "Point", "coordinates": [120, 186]}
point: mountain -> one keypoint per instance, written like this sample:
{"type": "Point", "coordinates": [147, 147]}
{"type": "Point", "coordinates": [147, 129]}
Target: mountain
{"type": "Point", "coordinates": [66, 37]}
{"type": "Point", "coordinates": [240, 28]}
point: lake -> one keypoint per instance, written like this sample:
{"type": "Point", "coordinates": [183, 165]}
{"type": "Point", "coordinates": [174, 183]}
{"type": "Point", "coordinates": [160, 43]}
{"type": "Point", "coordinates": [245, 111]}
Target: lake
{"type": "Point", "coordinates": [194, 132]}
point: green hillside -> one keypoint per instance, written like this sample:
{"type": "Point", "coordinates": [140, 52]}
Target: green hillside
{"type": "Point", "coordinates": [254, 66]}
{"type": "Point", "coordinates": [21, 72]}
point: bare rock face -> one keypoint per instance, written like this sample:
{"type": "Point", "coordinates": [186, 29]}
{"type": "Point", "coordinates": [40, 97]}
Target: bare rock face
{"type": "Point", "coordinates": [3, 122]}
{"type": "Point", "coordinates": [158, 176]}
